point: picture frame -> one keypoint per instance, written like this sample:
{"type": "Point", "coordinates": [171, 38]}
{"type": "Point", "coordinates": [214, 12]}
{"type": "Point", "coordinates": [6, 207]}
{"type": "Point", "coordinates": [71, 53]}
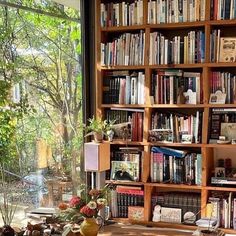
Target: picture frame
{"type": "Point", "coordinates": [171, 215]}
{"type": "Point", "coordinates": [220, 172]}
{"type": "Point", "coordinates": [217, 98]}
{"type": "Point", "coordinates": [136, 213]}
{"type": "Point", "coordinates": [186, 138]}
{"type": "Point", "coordinates": [125, 171]}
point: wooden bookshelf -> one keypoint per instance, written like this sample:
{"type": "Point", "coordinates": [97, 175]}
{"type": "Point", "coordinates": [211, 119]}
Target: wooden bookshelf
{"type": "Point", "coordinates": [207, 150]}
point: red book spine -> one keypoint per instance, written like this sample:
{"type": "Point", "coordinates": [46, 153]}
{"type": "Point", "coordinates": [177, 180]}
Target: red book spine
{"type": "Point", "coordinates": [134, 127]}
{"type": "Point", "coordinates": [140, 126]}
{"type": "Point", "coordinates": [130, 191]}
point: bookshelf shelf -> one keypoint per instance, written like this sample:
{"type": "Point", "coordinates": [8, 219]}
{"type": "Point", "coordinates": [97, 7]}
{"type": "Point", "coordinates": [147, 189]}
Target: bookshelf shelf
{"type": "Point", "coordinates": [222, 189]}
{"type": "Point", "coordinates": [180, 106]}
{"type": "Point", "coordinates": [181, 25]}
{"type": "Point", "coordinates": [178, 66]}
{"type": "Point", "coordinates": [221, 64]}
{"type": "Point", "coordinates": [123, 28]}
{"type": "Point", "coordinates": [220, 105]}
{"type": "Point", "coordinates": [124, 142]}
{"type": "Point", "coordinates": [139, 67]}
{"type": "Point", "coordinates": [200, 60]}
{"type": "Point", "coordinates": [174, 186]}
{"type": "Point", "coordinates": [124, 183]}
{"type": "Point", "coordinates": [197, 145]}
{"type": "Point", "coordinates": [228, 23]}
{"type": "Point", "coordinates": [123, 106]}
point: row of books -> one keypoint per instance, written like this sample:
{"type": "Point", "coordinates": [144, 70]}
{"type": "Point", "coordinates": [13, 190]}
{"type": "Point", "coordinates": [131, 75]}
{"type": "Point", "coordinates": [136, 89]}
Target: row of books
{"type": "Point", "coordinates": [222, 49]}
{"type": "Point", "coordinates": [222, 207]}
{"type": "Point", "coordinates": [226, 83]}
{"type": "Point", "coordinates": [169, 85]}
{"type": "Point", "coordinates": [222, 123]}
{"type": "Point", "coordinates": [124, 196]}
{"type": "Point", "coordinates": [179, 49]}
{"type": "Point", "coordinates": [182, 128]}
{"type": "Point", "coordinates": [127, 49]}
{"type": "Point", "coordinates": [223, 9]}
{"type": "Point", "coordinates": [175, 166]}
{"type": "Point", "coordinates": [189, 204]}
{"type": "Point", "coordinates": [124, 88]}
{"type": "Point", "coordinates": [175, 11]}
{"type": "Point", "coordinates": [122, 14]}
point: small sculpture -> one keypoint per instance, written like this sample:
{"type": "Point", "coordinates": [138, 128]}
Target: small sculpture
{"type": "Point", "coordinates": [156, 214]}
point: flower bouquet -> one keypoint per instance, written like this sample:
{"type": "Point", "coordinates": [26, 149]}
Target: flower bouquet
{"type": "Point", "coordinates": [87, 205]}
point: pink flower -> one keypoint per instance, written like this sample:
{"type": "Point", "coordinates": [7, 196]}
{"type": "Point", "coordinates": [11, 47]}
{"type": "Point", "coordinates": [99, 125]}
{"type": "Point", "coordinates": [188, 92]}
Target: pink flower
{"type": "Point", "coordinates": [75, 201]}
{"type": "Point", "coordinates": [87, 211]}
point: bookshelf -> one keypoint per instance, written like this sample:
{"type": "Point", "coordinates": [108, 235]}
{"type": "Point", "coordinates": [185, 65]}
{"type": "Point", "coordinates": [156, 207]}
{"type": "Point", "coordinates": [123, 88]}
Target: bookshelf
{"type": "Point", "coordinates": [203, 65]}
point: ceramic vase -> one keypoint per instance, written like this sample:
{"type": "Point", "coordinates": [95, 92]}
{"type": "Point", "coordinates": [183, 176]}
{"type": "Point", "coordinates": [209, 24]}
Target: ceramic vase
{"type": "Point", "coordinates": [89, 227]}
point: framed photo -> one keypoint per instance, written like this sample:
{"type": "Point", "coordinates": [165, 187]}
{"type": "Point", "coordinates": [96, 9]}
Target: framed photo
{"type": "Point", "coordinates": [186, 138]}
{"type": "Point", "coordinates": [217, 98]}
{"type": "Point", "coordinates": [227, 49]}
{"type": "Point", "coordinates": [136, 213]}
{"type": "Point", "coordinates": [219, 172]}
{"type": "Point", "coordinates": [228, 130]}
{"type": "Point", "coordinates": [125, 170]}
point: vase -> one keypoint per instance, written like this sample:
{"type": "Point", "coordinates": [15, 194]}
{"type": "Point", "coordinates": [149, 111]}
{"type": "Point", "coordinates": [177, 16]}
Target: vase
{"type": "Point", "coordinates": [89, 227]}
{"type": "Point", "coordinates": [110, 135]}
{"type": "Point", "coordinates": [98, 137]}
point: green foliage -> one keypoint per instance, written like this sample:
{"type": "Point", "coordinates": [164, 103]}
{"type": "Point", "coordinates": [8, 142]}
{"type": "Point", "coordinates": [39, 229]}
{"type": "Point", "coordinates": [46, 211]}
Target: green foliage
{"type": "Point", "coordinates": [43, 55]}
{"type": "Point", "coordinates": [97, 125]}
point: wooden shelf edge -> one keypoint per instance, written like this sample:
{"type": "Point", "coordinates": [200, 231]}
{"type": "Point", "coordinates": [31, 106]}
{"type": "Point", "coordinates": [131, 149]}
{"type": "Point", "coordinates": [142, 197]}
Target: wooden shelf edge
{"type": "Point", "coordinates": [115, 182]}
{"type": "Point", "coordinates": [177, 25]}
{"type": "Point", "coordinates": [170, 66]}
{"type": "Point", "coordinates": [175, 186]}
{"type": "Point", "coordinates": [217, 188]}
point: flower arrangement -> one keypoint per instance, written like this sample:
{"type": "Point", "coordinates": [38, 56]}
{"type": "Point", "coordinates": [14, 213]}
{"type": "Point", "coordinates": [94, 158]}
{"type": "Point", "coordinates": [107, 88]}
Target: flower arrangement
{"type": "Point", "coordinates": [87, 205]}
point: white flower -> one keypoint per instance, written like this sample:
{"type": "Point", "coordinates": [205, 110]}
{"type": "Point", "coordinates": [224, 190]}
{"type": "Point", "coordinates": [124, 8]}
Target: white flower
{"type": "Point", "coordinates": [92, 205]}
{"type": "Point", "coordinates": [101, 201]}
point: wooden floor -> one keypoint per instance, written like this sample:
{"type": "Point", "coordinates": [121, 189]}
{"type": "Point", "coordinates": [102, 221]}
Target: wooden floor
{"type": "Point", "coordinates": [120, 229]}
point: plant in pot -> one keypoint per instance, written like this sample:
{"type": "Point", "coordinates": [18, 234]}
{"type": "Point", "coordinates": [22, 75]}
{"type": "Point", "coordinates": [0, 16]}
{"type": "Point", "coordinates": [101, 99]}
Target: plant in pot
{"type": "Point", "coordinates": [97, 128]}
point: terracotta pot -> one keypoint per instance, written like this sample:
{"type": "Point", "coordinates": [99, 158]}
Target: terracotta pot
{"type": "Point", "coordinates": [89, 227]}
{"type": "Point", "coordinates": [98, 137]}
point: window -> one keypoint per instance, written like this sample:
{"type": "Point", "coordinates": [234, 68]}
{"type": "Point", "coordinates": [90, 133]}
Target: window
{"type": "Point", "coordinates": [41, 66]}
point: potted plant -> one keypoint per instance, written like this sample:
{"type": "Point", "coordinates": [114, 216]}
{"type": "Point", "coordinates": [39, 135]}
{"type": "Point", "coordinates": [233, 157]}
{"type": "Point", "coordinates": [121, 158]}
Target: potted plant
{"type": "Point", "coordinates": [97, 128]}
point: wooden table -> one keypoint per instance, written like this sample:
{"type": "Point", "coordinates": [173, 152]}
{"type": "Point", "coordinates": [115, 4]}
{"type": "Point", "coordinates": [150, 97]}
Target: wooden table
{"type": "Point", "coordinates": [120, 229]}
